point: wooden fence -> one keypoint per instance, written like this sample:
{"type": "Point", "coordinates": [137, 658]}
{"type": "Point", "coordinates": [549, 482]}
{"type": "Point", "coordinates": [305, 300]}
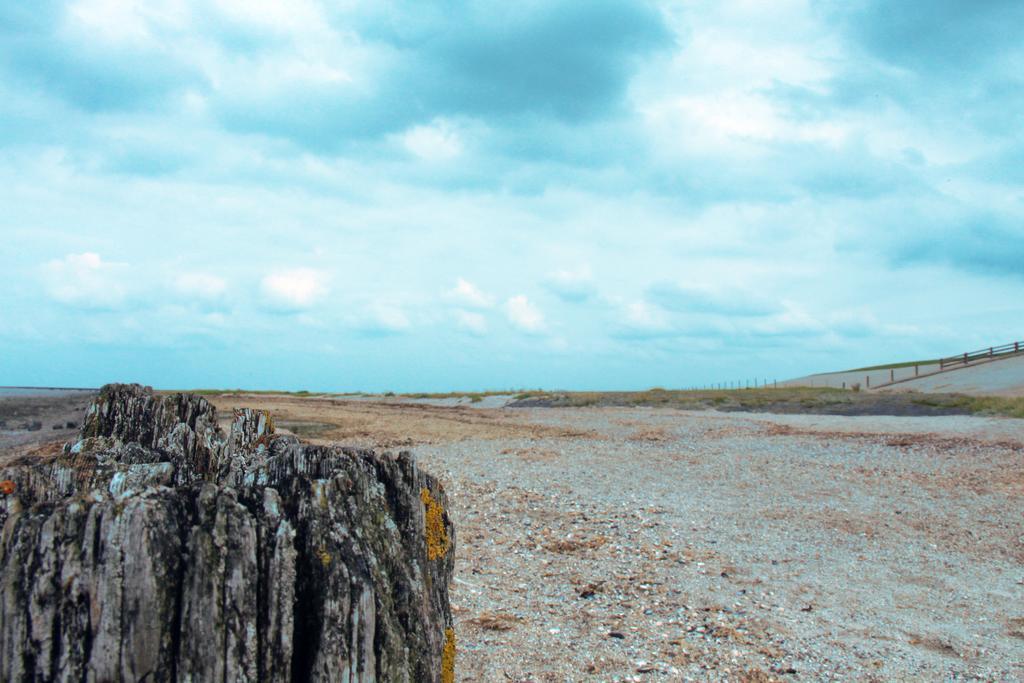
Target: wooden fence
{"type": "Point", "coordinates": [981, 354]}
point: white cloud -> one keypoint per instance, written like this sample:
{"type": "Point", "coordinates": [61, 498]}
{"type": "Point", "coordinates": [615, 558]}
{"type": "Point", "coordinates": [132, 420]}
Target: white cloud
{"type": "Point", "coordinates": [731, 122]}
{"type": "Point", "coordinates": [127, 21]}
{"type": "Point", "coordinates": [642, 315]}
{"type": "Point", "coordinates": [201, 285]}
{"type": "Point", "coordinates": [391, 318]}
{"type": "Point", "coordinates": [296, 288]}
{"type": "Point", "coordinates": [640, 320]}
{"type": "Point", "coordinates": [85, 280]}
{"type": "Point", "coordinates": [573, 285]}
{"type": "Point", "coordinates": [468, 294]}
{"type": "Point", "coordinates": [437, 142]}
{"type": "Point", "coordinates": [300, 17]}
{"type": "Point", "coordinates": [715, 299]}
{"type": "Point", "coordinates": [110, 19]}
{"type": "Point", "coordinates": [471, 322]}
{"type": "Point", "coordinates": [379, 318]}
{"type": "Point", "coordinates": [523, 314]}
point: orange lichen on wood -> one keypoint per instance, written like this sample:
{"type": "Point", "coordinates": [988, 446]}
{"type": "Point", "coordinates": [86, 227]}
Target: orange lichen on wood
{"type": "Point", "coordinates": [7, 487]}
{"type": "Point", "coordinates": [448, 656]}
{"type": "Point", "coordinates": [437, 535]}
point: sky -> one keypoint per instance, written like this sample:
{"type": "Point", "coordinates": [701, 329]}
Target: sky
{"type": "Point", "coordinates": [377, 195]}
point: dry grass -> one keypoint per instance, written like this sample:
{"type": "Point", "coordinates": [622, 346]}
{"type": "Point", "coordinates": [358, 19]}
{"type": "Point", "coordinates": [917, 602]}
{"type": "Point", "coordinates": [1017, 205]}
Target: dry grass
{"type": "Point", "coordinates": [575, 545]}
{"type": "Point", "coordinates": [32, 453]}
{"type": "Point", "coordinates": [935, 644]}
{"type": "Point", "coordinates": [387, 424]}
{"type": "Point", "coordinates": [496, 621]}
{"type": "Point", "coordinates": [812, 400]}
{"type": "Point", "coordinates": [532, 455]}
{"type": "Point", "coordinates": [1015, 627]}
{"type": "Point", "coordinates": [755, 676]}
{"type": "Point", "coordinates": [651, 435]}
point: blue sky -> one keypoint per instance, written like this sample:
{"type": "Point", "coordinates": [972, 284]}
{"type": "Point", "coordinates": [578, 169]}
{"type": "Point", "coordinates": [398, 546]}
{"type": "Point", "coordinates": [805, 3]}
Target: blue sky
{"type": "Point", "coordinates": [480, 195]}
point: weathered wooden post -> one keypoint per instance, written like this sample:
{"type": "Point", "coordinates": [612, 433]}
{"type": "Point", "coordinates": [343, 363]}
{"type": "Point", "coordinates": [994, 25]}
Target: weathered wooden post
{"type": "Point", "coordinates": [867, 381]}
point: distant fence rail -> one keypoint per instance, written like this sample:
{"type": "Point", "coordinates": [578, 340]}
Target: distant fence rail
{"type": "Point", "coordinates": [897, 374]}
{"type": "Point", "coordinates": [981, 354]}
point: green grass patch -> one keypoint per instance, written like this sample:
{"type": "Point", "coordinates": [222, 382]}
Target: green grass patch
{"type": "Point", "coordinates": [975, 405]}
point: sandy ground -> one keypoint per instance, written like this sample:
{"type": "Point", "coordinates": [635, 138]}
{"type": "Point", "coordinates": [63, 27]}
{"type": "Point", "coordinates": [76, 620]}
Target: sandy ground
{"type": "Point", "coordinates": [643, 544]}
{"type": "Point", "coordinates": [638, 544]}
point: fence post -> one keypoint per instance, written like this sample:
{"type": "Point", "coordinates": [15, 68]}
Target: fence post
{"type": "Point", "coordinates": [917, 371]}
{"type": "Point", "coordinates": [892, 374]}
{"type": "Point", "coordinates": [990, 351]}
{"type": "Point", "coordinates": [965, 359]}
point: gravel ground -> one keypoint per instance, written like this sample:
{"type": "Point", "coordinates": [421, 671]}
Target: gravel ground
{"type": "Point", "coordinates": [36, 422]}
{"type": "Point", "coordinates": [646, 544]}
{"type": "Point", "coordinates": [670, 545]}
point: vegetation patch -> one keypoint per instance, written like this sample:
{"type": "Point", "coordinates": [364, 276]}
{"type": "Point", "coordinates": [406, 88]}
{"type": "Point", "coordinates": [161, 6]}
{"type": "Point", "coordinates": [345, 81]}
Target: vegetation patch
{"type": "Point", "coordinates": [437, 535]}
{"type": "Point", "coordinates": [448, 656]}
{"type": "Point", "coordinates": [496, 621]}
{"type": "Point", "coordinates": [575, 545]}
{"type": "Point", "coordinates": [799, 400]}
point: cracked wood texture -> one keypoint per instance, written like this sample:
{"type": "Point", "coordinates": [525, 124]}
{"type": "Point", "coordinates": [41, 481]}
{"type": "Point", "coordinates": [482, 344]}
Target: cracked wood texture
{"type": "Point", "coordinates": [159, 548]}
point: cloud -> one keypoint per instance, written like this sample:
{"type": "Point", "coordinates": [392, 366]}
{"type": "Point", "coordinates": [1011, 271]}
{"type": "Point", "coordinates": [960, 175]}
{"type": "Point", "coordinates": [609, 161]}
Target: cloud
{"type": "Point", "coordinates": [383, 318]}
{"type": "Point", "coordinates": [294, 289]}
{"type": "Point", "coordinates": [471, 322]}
{"type": "Point", "coordinates": [524, 315]}
{"type": "Point", "coordinates": [701, 299]}
{"type": "Point", "coordinates": [201, 285]}
{"type": "Point", "coordinates": [85, 280]}
{"type": "Point", "coordinates": [468, 294]}
{"type": "Point", "coordinates": [561, 60]}
{"type": "Point", "coordinates": [982, 243]}
{"type": "Point", "coordinates": [641, 320]}
{"type": "Point", "coordinates": [936, 37]}
{"type": "Point", "coordinates": [436, 142]}
{"type": "Point", "coordinates": [572, 285]}
{"type": "Point", "coordinates": [97, 56]}
{"type": "Point", "coordinates": [730, 173]}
